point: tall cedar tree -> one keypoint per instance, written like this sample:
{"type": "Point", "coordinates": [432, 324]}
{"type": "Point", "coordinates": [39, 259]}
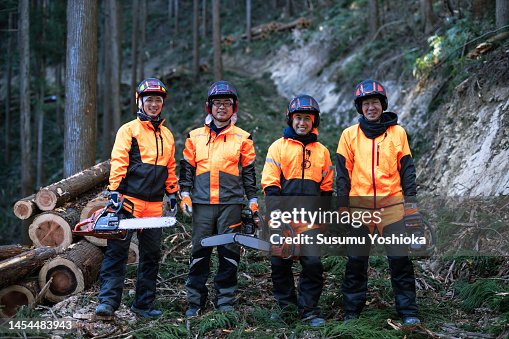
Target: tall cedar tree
{"type": "Point", "coordinates": [216, 40]}
{"type": "Point", "coordinates": [196, 45]}
{"type": "Point", "coordinates": [502, 13]}
{"type": "Point", "coordinates": [134, 52]}
{"type": "Point", "coordinates": [248, 20]}
{"type": "Point", "coordinates": [80, 87]}
{"type": "Point", "coordinates": [24, 95]}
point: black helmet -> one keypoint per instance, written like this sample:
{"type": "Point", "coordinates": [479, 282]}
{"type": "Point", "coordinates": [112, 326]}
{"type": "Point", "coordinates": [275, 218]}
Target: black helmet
{"type": "Point", "coordinates": [369, 88]}
{"type": "Point", "coordinates": [306, 104]}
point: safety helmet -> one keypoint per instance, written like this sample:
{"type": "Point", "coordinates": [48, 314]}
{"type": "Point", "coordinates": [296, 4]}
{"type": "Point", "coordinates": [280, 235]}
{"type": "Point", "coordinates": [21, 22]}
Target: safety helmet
{"type": "Point", "coordinates": [305, 104]}
{"type": "Point", "coordinates": [150, 86]}
{"type": "Point", "coordinates": [221, 88]}
{"type": "Point", "coordinates": [369, 88]}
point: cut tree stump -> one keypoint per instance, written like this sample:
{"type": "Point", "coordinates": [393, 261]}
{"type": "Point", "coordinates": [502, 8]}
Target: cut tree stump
{"type": "Point", "coordinates": [9, 251]}
{"type": "Point", "coordinates": [53, 228]}
{"type": "Point", "coordinates": [72, 271]}
{"type": "Point", "coordinates": [25, 208]}
{"type": "Point", "coordinates": [58, 193]}
{"type": "Point", "coordinates": [93, 205]}
{"type": "Point", "coordinates": [16, 268]}
{"type": "Point", "coordinates": [14, 296]}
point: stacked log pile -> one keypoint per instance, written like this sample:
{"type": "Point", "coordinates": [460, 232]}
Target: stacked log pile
{"type": "Point", "coordinates": [59, 264]}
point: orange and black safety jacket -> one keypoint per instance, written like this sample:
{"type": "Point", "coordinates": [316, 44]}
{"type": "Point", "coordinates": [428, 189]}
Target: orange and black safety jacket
{"type": "Point", "coordinates": [143, 161]}
{"type": "Point", "coordinates": [374, 167]}
{"type": "Point", "coordinates": [293, 168]}
{"type": "Point", "coordinates": [218, 168]}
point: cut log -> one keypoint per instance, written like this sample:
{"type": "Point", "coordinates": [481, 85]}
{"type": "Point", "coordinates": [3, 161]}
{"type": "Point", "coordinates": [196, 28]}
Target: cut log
{"type": "Point", "coordinates": [134, 253]}
{"type": "Point", "coordinates": [53, 228]}
{"type": "Point", "coordinates": [25, 208]}
{"type": "Point", "coordinates": [9, 251]}
{"type": "Point", "coordinates": [93, 205]}
{"type": "Point", "coordinates": [58, 193]}
{"type": "Point", "coordinates": [16, 268]}
{"type": "Point", "coordinates": [72, 271]}
{"type": "Point", "coordinates": [14, 296]}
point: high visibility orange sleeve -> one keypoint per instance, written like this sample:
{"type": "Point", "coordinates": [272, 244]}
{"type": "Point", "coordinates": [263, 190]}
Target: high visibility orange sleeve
{"type": "Point", "coordinates": [247, 152]}
{"type": "Point", "coordinates": [327, 173]}
{"type": "Point", "coordinates": [171, 182]}
{"type": "Point", "coordinates": [405, 148]}
{"type": "Point", "coordinates": [119, 158]}
{"type": "Point", "coordinates": [345, 150]}
{"type": "Point", "coordinates": [271, 175]}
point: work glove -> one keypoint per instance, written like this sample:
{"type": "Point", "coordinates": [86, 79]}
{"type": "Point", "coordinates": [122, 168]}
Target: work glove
{"type": "Point", "coordinates": [186, 205]}
{"type": "Point", "coordinates": [171, 205]}
{"type": "Point", "coordinates": [115, 198]}
{"type": "Point", "coordinates": [253, 205]}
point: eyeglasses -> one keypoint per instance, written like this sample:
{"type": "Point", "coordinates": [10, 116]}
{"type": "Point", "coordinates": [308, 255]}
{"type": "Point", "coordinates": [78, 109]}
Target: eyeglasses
{"type": "Point", "coordinates": [219, 103]}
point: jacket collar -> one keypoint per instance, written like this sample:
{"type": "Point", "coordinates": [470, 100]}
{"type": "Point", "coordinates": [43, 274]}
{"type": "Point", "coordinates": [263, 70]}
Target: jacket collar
{"type": "Point", "coordinates": [289, 133]}
{"type": "Point", "coordinates": [374, 129]}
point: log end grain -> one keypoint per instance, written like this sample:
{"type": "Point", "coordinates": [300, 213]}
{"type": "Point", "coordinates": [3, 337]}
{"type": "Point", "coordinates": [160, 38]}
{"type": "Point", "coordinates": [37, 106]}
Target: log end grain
{"type": "Point", "coordinates": [134, 254]}
{"type": "Point", "coordinates": [23, 209]}
{"type": "Point", "coordinates": [12, 297]}
{"type": "Point", "coordinates": [67, 279]}
{"type": "Point", "coordinates": [87, 211]}
{"type": "Point", "coordinates": [46, 200]}
{"type": "Point", "coordinates": [50, 230]}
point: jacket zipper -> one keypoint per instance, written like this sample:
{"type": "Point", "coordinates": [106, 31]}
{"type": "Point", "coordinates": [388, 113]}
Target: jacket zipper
{"type": "Point", "coordinates": [378, 154]}
{"type": "Point", "coordinates": [373, 171]}
{"type": "Point", "coordinates": [162, 146]}
{"type": "Point", "coordinates": [157, 157]}
{"type": "Point", "coordinates": [303, 168]}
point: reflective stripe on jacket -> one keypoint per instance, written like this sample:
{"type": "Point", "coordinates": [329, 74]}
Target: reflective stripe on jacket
{"type": "Point", "coordinates": [143, 161]}
{"type": "Point", "coordinates": [298, 169]}
{"type": "Point", "coordinates": [218, 169]}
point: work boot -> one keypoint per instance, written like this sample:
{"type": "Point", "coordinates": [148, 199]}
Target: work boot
{"type": "Point", "coordinates": [225, 308]}
{"type": "Point", "coordinates": [349, 317]}
{"type": "Point", "coordinates": [411, 321]}
{"type": "Point", "coordinates": [275, 316]}
{"type": "Point", "coordinates": [314, 321]}
{"type": "Point", "coordinates": [104, 310]}
{"type": "Point", "coordinates": [192, 312]}
{"type": "Point", "coordinates": [149, 314]}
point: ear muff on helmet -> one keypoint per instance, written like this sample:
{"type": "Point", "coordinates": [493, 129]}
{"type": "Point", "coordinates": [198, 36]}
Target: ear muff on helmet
{"type": "Point", "coordinates": [306, 104]}
{"type": "Point", "coordinates": [370, 88]}
{"type": "Point", "coordinates": [221, 88]}
{"type": "Point", "coordinates": [150, 86]}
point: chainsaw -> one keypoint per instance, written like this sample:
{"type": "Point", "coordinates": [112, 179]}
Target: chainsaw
{"type": "Point", "coordinates": [247, 237]}
{"type": "Point", "coordinates": [108, 223]}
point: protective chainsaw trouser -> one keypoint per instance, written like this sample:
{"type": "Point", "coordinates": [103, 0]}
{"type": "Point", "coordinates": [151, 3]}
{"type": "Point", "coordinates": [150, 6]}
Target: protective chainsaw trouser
{"type": "Point", "coordinates": [209, 220]}
{"type": "Point", "coordinates": [310, 280]}
{"type": "Point", "coordinates": [113, 268]}
{"type": "Point", "coordinates": [355, 283]}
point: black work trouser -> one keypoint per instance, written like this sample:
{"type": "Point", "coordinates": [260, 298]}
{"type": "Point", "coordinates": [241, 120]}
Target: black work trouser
{"type": "Point", "coordinates": [310, 280]}
{"type": "Point", "coordinates": [207, 221]}
{"type": "Point", "coordinates": [355, 283]}
{"type": "Point", "coordinates": [113, 269]}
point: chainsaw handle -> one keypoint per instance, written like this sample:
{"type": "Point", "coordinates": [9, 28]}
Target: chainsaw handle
{"type": "Point", "coordinates": [88, 231]}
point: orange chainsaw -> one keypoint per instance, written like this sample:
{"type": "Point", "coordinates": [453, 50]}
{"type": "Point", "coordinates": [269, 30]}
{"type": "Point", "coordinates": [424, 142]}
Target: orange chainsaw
{"type": "Point", "coordinates": [108, 223]}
